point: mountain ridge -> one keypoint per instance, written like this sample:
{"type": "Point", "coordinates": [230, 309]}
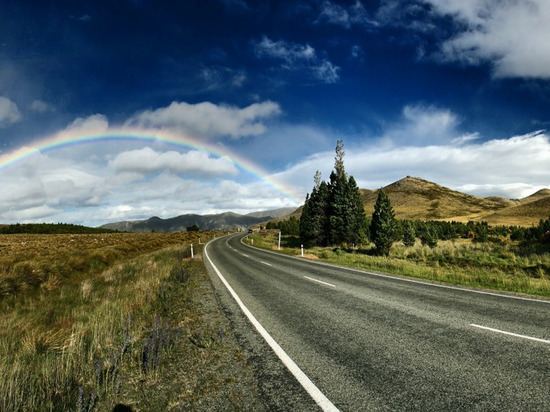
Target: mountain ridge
{"type": "Point", "coordinates": [412, 198]}
{"type": "Point", "coordinates": [219, 221]}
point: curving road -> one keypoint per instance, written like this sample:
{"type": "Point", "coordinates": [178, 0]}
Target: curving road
{"type": "Point", "coordinates": [373, 342]}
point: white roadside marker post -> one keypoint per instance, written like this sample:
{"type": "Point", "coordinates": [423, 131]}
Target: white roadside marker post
{"type": "Point", "coordinates": [192, 255]}
{"type": "Point", "coordinates": [279, 240]}
{"type": "Point", "coordinates": [302, 248]}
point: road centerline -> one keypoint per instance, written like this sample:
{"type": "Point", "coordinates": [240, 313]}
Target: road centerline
{"type": "Point", "coordinates": [320, 281]}
{"type": "Point", "coordinates": [266, 263]}
{"type": "Point", "coordinates": [517, 335]}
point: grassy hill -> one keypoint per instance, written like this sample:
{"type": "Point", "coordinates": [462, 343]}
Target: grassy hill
{"type": "Point", "coordinates": [415, 198]}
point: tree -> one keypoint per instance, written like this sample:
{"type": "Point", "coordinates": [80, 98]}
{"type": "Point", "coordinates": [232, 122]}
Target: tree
{"type": "Point", "coordinates": [409, 236]}
{"type": "Point", "coordinates": [358, 225]}
{"type": "Point", "coordinates": [313, 225]}
{"type": "Point", "coordinates": [383, 227]}
{"type": "Point", "coordinates": [429, 237]}
{"type": "Point", "coordinates": [334, 213]}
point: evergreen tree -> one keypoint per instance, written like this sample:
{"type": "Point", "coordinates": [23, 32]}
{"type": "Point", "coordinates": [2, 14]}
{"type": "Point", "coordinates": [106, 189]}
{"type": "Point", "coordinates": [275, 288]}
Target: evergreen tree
{"type": "Point", "coordinates": [339, 208]}
{"type": "Point", "coordinates": [358, 225]}
{"type": "Point", "coordinates": [409, 236]}
{"type": "Point", "coordinates": [334, 213]}
{"type": "Point", "coordinates": [429, 237]}
{"type": "Point", "coordinates": [313, 225]}
{"type": "Point", "coordinates": [383, 226]}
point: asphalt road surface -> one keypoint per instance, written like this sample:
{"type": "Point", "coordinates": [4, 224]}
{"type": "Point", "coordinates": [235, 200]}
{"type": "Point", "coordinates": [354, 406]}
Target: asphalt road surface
{"type": "Point", "coordinates": [371, 342]}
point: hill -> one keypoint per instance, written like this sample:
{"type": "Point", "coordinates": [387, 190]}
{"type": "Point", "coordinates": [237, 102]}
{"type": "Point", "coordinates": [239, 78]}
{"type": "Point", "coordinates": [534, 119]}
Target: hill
{"type": "Point", "coordinates": [221, 221]}
{"type": "Point", "coordinates": [416, 198]}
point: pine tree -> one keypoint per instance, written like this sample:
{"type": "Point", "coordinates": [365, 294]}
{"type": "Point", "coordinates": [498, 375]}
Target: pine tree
{"type": "Point", "coordinates": [334, 213]}
{"type": "Point", "coordinates": [358, 225]}
{"type": "Point", "coordinates": [409, 236]}
{"type": "Point", "coordinates": [339, 209]}
{"type": "Point", "coordinates": [313, 225]}
{"type": "Point", "coordinates": [429, 237]}
{"type": "Point", "coordinates": [383, 227]}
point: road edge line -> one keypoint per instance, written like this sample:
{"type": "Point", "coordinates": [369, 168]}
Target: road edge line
{"type": "Point", "coordinates": [318, 396]}
{"type": "Point", "coordinates": [403, 279]}
{"type": "Point", "coordinates": [516, 335]}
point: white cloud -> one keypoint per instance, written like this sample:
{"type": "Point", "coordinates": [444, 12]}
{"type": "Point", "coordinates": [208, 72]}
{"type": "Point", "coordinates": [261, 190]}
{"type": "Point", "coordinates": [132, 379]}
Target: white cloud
{"type": "Point", "coordinates": [41, 107]}
{"type": "Point", "coordinates": [32, 214]}
{"type": "Point", "coordinates": [511, 167]}
{"type": "Point", "coordinates": [96, 123]}
{"type": "Point", "coordinates": [147, 160]}
{"type": "Point", "coordinates": [208, 120]}
{"type": "Point", "coordinates": [345, 16]}
{"type": "Point", "coordinates": [512, 35]}
{"type": "Point", "coordinates": [422, 125]}
{"type": "Point", "coordinates": [298, 57]}
{"type": "Point", "coordinates": [9, 113]}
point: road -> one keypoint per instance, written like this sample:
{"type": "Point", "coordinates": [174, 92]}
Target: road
{"type": "Point", "coordinates": [371, 342]}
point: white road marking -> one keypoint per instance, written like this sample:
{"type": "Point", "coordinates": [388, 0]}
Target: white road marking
{"type": "Point", "coordinates": [402, 279]}
{"type": "Point", "coordinates": [307, 384]}
{"type": "Point", "coordinates": [320, 281]}
{"type": "Point", "coordinates": [244, 255]}
{"type": "Point", "coordinates": [265, 263]}
{"type": "Point", "coordinates": [510, 333]}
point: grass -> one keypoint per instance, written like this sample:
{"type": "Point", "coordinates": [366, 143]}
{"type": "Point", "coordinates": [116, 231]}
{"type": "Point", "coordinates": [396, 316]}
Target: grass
{"type": "Point", "coordinates": [91, 322]}
{"type": "Point", "coordinates": [505, 266]}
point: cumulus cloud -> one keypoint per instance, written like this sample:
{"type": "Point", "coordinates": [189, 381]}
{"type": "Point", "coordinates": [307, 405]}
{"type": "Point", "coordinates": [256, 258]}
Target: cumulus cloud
{"type": "Point", "coordinates": [208, 120]}
{"type": "Point", "coordinates": [512, 167]}
{"type": "Point", "coordinates": [9, 113]}
{"type": "Point", "coordinates": [95, 123]}
{"type": "Point", "coordinates": [511, 35]}
{"type": "Point", "coordinates": [43, 187]}
{"type": "Point", "coordinates": [425, 124]}
{"type": "Point", "coordinates": [147, 160]}
{"type": "Point", "coordinates": [298, 57]}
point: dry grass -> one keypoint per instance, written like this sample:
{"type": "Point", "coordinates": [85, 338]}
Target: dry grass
{"type": "Point", "coordinates": [505, 267]}
{"type": "Point", "coordinates": [89, 321]}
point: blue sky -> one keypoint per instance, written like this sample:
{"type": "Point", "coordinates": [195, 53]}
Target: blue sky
{"type": "Point", "coordinates": [456, 92]}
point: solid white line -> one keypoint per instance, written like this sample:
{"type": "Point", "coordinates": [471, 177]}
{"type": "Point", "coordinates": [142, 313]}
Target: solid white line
{"type": "Point", "coordinates": [265, 263]}
{"type": "Point", "coordinates": [510, 333]}
{"type": "Point", "coordinates": [320, 281]}
{"type": "Point", "coordinates": [402, 279]}
{"type": "Point", "coordinates": [308, 385]}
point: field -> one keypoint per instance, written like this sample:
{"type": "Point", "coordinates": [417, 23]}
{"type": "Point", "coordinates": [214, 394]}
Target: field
{"type": "Point", "coordinates": [505, 266]}
{"type": "Point", "coordinates": [91, 321]}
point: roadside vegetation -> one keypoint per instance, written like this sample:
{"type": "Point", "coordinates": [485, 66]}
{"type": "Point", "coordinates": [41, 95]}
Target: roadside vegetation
{"type": "Point", "coordinates": [331, 228]}
{"type": "Point", "coordinates": [88, 322]}
{"type": "Point", "coordinates": [505, 266]}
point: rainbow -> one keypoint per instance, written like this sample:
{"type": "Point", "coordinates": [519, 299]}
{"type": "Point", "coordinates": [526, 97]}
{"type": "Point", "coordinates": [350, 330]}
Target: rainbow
{"type": "Point", "coordinates": [71, 138]}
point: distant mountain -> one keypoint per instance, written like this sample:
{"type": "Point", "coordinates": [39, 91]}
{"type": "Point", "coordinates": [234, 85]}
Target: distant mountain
{"type": "Point", "coordinates": [275, 213]}
{"type": "Point", "coordinates": [221, 221]}
{"type": "Point", "coordinates": [412, 198]}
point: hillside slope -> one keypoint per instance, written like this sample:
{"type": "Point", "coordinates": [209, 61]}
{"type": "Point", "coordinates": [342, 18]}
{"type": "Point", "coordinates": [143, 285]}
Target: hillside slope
{"type": "Point", "coordinates": [416, 198]}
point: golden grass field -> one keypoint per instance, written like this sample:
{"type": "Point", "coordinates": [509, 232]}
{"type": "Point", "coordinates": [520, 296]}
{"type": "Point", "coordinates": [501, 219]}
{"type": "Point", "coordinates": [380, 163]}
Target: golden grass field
{"type": "Point", "coordinates": [89, 321]}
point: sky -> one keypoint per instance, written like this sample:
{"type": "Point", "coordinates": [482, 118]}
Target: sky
{"type": "Point", "coordinates": [127, 109]}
